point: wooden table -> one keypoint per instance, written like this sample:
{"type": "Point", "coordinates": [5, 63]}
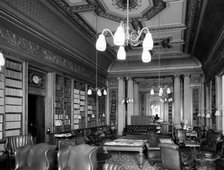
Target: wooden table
{"type": "Point", "coordinates": [128, 145]}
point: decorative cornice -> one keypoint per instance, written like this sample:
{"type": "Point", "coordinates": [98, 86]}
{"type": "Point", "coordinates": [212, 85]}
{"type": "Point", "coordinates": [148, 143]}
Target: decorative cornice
{"type": "Point", "coordinates": [193, 11]}
{"type": "Point", "coordinates": [47, 57]}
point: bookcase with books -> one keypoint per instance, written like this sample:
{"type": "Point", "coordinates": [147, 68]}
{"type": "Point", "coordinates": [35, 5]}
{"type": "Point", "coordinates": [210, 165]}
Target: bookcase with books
{"type": "Point", "coordinates": [102, 110]}
{"type": "Point", "coordinates": [79, 105]}
{"type": "Point", "coordinates": [13, 97]}
{"type": "Point", "coordinates": [2, 105]}
{"type": "Point", "coordinates": [113, 106]}
{"type": "Point", "coordinates": [63, 104]}
{"type": "Point", "coordinates": [1, 126]}
{"type": "Point", "coordinates": [91, 110]}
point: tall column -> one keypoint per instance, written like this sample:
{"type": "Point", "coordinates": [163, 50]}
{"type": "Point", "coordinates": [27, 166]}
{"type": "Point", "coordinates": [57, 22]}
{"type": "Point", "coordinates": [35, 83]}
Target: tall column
{"type": "Point", "coordinates": [136, 99]}
{"type": "Point", "coordinates": [130, 100]}
{"type": "Point", "coordinates": [207, 106]}
{"type": "Point", "coordinates": [202, 102]}
{"type": "Point", "coordinates": [187, 99]}
{"type": "Point", "coordinates": [222, 104]}
{"type": "Point", "coordinates": [181, 98]}
{"type": "Point", "coordinates": [107, 105]}
{"type": "Point", "coordinates": [177, 100]}
{"type": "Point", "coordinates": [218, 100]}
{"type": "Point", "coordinates": [121, 106]}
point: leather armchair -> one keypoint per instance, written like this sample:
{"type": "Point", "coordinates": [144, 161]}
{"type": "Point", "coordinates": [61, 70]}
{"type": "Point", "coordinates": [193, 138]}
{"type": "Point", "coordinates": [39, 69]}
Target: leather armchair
{"type": "Point", "coordinates": [14, 142]}
{"type": "Point", "coordinates": [172, 159]}
{"type": "Point", "coordinates": [111, 166]}
{"type": "Point", "coordinates": [212, 142]}
{"type": "Point", "coordinates": [79, 157]}
{"type": "Point", "coordinates": [40, 156]}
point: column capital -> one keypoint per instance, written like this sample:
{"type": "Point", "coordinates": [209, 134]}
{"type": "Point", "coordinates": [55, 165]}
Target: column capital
{"type": "Point", "coordinates": [187, 75]}
{"type": "Point", "coordinates": [120, 78]}
{"type": "Point", "coordinates": [177, 75]}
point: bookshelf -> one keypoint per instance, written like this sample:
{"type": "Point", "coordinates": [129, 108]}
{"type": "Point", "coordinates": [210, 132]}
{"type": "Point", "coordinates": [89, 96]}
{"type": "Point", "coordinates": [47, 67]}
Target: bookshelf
{"type": "Point", "coordinates": [102, 110]}
{"type": "Point", "coordinates": [13, 97]}
{"type": "Point", "coordinates": [1, 126]}
{"type": "Point", "coordinates": [113, 106]}
{"type": "Point", "coordinates": [195, 100]}
{"type": "Point", "coordinates": [91, 110]}
{"type": "Point", "coordinates": [63, 104]}
{"type": "Point", "coordinates": [79, 105]}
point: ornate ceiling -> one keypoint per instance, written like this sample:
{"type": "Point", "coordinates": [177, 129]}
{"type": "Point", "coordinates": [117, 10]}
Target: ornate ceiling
{"type": "Point", "coordinates": [171, 23]}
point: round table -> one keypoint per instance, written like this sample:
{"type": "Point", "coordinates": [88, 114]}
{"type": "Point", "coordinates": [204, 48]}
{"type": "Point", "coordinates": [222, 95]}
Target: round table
{"type": "Point", "coordinates": [206, 160]}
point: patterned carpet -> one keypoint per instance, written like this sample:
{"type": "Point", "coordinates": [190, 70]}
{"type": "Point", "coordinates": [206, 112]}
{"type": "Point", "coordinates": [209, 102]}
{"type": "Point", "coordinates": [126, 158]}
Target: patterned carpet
{"type": "Point", "coordinates": [130, 161]}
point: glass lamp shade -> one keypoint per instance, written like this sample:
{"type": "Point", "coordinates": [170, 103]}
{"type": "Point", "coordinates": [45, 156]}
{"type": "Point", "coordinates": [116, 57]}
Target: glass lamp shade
{"type": "Point", "coordinates": [148, 42]}
{"type": "Point", "coordinates": [151, 92]}
{"type": "Point", "coordinates": [2, 60]}
{"type": "Point", "coordinates": [121, 54]}
{"type": "Point", "coordinates": [89, 92]}
{"type": "Point", "coordinates": [119, 36]}
{"type": "Point", "coordinates": [161, 90]}
{"type": "Point", "coordinates": [208, 115]}
{"type": "Point", "coordinates": [99, 93]}
{"type": "Point", "coordinates": [146, 56]}
{"type": "Point", "coordinates": [101, 43]}
{"type": "Point", "coordinates": [105, 92]}
{"type": "Point", "coordinates": [217, 113]}
{"type": "Point", "coordinates": [168, 90]}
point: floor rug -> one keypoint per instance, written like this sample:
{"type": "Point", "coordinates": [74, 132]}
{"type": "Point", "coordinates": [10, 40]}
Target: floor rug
{"type": "Point", "coordinates": [130, 160]}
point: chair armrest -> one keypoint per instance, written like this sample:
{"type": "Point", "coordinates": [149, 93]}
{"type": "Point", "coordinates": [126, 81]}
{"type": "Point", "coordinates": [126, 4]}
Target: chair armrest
{"type": "Point", "coordinates": [153, 148]}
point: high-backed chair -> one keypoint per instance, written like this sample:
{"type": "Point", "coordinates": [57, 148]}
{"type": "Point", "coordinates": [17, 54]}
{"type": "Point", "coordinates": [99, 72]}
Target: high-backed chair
{"type": "Point", "coordinates": [180, 136]}
{"type": "Point", "coordinates": [212, 142]}
{"type": "Point", "coordinates": [79, 157]}
{"type": "Point", "coordinates": [171, 158]}
{"type": "Point", "coordinates": [40, 156]}
{"type": "Point", "coordinates": [14, 142]}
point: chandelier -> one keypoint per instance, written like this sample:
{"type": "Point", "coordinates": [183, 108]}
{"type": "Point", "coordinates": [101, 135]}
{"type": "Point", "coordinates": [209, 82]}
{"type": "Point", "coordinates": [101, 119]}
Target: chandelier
{"type": "Point", "coordinates": [97, 89]}
{"type": "Point", "coordinates": [122, 37]}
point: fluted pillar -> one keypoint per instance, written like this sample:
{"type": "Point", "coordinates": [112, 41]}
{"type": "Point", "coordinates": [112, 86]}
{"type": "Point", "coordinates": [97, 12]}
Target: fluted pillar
{"type": "Point", "coordinates": [177, 100]}
{"type": "Point", "coordinates": [121, 106]}
{"type": "Point", "coordinates": [202, 121]}
{"type": "Point", "coordinates": [207, 106]}
{"type": "Point", "coordinates": [218, 95]}
{"type": "Point", "coordinates": [222, 113]}
{"type": "Point", "coordinates": [187, 99]}
{"type": "Point", "coordinates": [136, 99]}
{"type": "Point", "coordinates": [130, 100]}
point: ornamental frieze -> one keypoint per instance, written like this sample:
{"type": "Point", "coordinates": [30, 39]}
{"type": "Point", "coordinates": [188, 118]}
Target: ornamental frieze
{"type": "Point", "coordinates": [44, 54]}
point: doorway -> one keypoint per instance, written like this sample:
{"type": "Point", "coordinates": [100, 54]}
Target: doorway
{"type": "Point", "coordinates": [36, 118]}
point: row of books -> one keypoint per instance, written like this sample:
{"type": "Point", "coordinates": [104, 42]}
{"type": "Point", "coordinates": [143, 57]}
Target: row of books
{"type": "Point", "coordinates": [12, 101]}
{"type": "Point", "coordinates": [12, 125]}
{"type": "Point", "coordinates": [13, 65]}
{"type": "Point", "coordinates": [13, 74]}
{"type": "Point", "coordinates": [13, 117]}
{"type": "Point", "coordinates": [14, 132]}
{"type": "Point", "coordinates": [13, 92]}
{"type": "Point", "coordinates": [13, 83]}
{"type": "Point", "coordinates": [13, 109]}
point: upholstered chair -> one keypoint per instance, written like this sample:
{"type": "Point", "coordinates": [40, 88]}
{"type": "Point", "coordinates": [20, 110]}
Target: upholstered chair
{"type": "Point", "coordinates": [180, 136]}
{"type": "Point", "coordinates": [172, 159]}
{"type": "Point", "coordinates": [113, 166]}
{"type": "Point", "coordinates": [212, 142]}
{"type": "Point", "coordinates": [79, 157]}
{"type": "Point", "coordinates": [40, 156]}
{"type": "Point", "coordinates": [14, 142]}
